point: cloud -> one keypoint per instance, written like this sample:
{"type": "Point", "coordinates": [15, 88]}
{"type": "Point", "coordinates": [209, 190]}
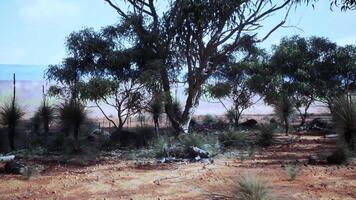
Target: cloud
{"type": "Point", "coordinates": [48, 11]}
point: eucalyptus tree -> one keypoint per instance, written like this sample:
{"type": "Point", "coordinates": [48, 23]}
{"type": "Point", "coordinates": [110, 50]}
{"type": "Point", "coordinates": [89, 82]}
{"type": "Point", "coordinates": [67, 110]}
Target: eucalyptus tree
{"type": "Point", "coordinates": [125, 97]}
{"type": "Point", "coordinates": [194, 39]}
{"type": "Point", "coordinates": [231, 85]}
{"type": "Point", "coordinates": [97, 69]}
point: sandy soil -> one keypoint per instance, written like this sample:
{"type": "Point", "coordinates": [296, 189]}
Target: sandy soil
{"type": "Point", "coordinates": [129, 180]}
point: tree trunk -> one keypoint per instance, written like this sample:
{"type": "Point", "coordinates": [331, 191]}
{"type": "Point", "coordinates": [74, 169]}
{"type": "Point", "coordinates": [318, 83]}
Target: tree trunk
{"type": "Point", "coordinates": [11, 136]}
{"type": "Point", "coordinates": [76, 132]}
{"type": "Point", "coordinates": [286, 126]}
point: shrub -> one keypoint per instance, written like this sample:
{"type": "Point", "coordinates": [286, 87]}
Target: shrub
{"type": "Point", "coordinates": [292, 172]}
{"type": "Point", "coordinates": [339, 156]}
{"type": "Point", "coordinates": [232, 139]}
{"type": "Point", "coordinates": [161, 147]}
{"type": "Point", "coordinates": [72, 115]}
{"type": "Point", "coordinates": [206, 142]}
{"type": "Point", "coordinates": [251, 187]}
{"type": "Point", "coordinates": [266, 134]}
{"type": "Point", "coordinates": [137, 137]}
{"type": "Point", "coordinates": [28, 172]}
{"type": "Point", "coordinates": [343, 110]}
{"type": "Point", "coordinates": [209, 120]}
{"type": "Point", "coordinates": [10, 115]}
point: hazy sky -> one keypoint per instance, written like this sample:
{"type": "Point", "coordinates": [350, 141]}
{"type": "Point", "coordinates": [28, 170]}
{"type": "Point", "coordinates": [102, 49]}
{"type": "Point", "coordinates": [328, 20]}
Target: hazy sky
{"type": "Point", "coordinates": [33, 32]}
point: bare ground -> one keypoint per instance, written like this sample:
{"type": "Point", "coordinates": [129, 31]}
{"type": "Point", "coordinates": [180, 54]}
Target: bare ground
{"type": "Point", "coordinates": [128, 180]}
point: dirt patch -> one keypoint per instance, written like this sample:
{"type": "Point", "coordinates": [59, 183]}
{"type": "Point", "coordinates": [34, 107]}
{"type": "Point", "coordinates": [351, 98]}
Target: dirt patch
{"type": "Point", "coordinates": [149, 180]}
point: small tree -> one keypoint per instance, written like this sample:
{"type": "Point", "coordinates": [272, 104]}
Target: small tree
{"type": "Point", "coordinates": [233, 85]}
{"type": "Point", "coordinates": [284, 109]}
{"type": "Point", "coordinates": [125, 96]}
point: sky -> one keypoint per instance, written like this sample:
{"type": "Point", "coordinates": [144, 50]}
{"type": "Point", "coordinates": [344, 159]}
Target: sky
{"type": "Point", "coordinates": [33, 32]}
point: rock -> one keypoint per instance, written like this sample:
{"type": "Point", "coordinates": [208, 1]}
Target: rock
{"type": "Point", "coordinates": [200, 153]}
{"type": "Point", "coordinates": [14, 167]}
{"type": "Point", "coordinates": [250, 123]}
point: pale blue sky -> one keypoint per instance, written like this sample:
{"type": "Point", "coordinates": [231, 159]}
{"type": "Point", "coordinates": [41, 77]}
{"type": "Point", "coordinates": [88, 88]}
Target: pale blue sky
{"type": "Point", "coordinates": [33, 32]}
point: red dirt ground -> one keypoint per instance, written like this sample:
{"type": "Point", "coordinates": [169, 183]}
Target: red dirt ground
{"type": "Point", "coordinates": [127, 180]}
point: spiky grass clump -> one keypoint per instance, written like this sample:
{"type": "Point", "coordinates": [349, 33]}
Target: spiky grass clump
{"type": "Point", "coordinates": [343, 111]}
{"type": "Point", "coordinates": [266, 134]}
{"type": "Point", "coordinates": [72, 115]}
{"type": "Point", "coordinates": [292, 172]}
{"type": "Point", "coordinates": [10, 115]}
{"type": "Point", "coordinates": [251, 187]}
{"type": "Point", "coordinates": [233, 139]}
{"type": "Point", "coordinates": [208, 143]}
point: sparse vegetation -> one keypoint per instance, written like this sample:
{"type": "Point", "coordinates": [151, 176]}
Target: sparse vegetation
{"type": "Point", "coordinates": [292, 171]}
{"type": "Point", "coordinates": [251, 187]}
{"type": "Point", "coordinates": [266, 134]}
{"type": "Point", "coordinates": [233, 138]}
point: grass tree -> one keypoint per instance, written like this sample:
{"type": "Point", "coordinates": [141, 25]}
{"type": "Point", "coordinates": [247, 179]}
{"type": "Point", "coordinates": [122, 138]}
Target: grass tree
{"type": "Point", "coordinates": [10, 115]}
{"type": "Point", "coordinates": [343, 111]}
{"type": "Point", "coordinates": [156, 109]}
{"type": "Point", "coordinates": [72, 115]}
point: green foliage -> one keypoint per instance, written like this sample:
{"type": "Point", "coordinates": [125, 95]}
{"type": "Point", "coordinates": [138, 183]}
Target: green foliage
{"type": "Point", "coordinates": [10, 114]}
{"type": "Point", "coordinates": [161, 146]}
{"type": "Point", "coordinates": [209, 120]}
{"type": "Point", "coordinates": [251, 187]}
{"type": "Point", "coordinates": [233, 138]}
{"type": "Point", "coordinates": [72, 115]}
{"type": "Point", "coordinates": [343, 111]}
{"type": "Point", "coordinates": [265, 136]}
{"type": "Point", "coordinates": [292, 171]}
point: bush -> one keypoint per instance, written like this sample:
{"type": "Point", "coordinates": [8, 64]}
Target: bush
{"type": "Point", "coordinates": [209, 120]}
{"type": "Point", "coordinates": [343, 111]}
{"type": "Point", "coordinates": [232, 139]}
{"type": "Point", "coordinates": [251, 187]}
{"type": "Point", "coordinates": [292, 172]}
{"type": "Point", "coordinates": [265, 136]}
{"type": "Point", "coordinates": [138, 137]}
{"type": "Point", "coordinates": [208, 143]}
{"type": "Point", "coordinates": [339, 156]}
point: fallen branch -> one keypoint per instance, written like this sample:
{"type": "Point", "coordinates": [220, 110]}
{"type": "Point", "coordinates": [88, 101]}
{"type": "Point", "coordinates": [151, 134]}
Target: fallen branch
{"type": "Point", "coordinates": [7, 158]}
